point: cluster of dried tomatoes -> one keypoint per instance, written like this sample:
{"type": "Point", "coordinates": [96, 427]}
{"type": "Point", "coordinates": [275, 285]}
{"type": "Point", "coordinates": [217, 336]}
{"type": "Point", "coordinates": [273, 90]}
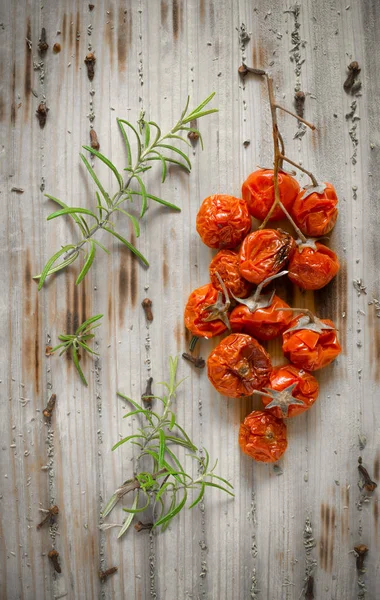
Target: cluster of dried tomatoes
{"type": "Point", "coordinates": [239, 365]}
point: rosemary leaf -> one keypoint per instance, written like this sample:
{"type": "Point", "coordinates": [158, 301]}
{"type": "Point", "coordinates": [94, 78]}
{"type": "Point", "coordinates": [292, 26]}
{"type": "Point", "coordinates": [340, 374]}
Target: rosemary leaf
{"type": "Point", "coordinates": [128, 519]}
{"type": "Point", "coordinates": [107, 162]}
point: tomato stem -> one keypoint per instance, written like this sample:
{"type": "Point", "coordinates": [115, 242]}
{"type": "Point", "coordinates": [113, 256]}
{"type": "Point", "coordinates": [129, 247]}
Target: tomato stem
{"type": "Point", "coordinates": [279, 157]}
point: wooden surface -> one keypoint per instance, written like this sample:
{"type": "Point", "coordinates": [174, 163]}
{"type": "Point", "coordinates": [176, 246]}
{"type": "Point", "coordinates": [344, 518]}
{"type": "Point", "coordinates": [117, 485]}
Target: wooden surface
{"type": "Point", "coordinates": [150, 55]}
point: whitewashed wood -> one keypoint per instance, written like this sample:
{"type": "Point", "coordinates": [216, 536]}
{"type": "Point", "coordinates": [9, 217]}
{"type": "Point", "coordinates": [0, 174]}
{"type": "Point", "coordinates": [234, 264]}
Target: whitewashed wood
{"type": "Point", "coordinates": [221, 550]}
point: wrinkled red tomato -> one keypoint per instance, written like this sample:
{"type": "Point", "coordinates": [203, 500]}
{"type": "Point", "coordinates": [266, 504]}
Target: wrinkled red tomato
{"type": "Point", "coordinates": [311, 350]}
{"type": "Point", "coordinates": [223, 221]}
{"type": "Point", "coordinates": [226, 263]}
{"type": "Point", "coordinates": [238, 366]}
{"type": "Point", "coordinates": [316, 214]}
{"type": "Point", "coordinates": [196, 313]}
{"type": "Point", "coordinates": [292, 391]}
{"type": "Point", "coordinates": [263, 436]}
{"type": "Point", "coordinates": [264, 253]}
{"type": "Point", "coordinates": [264, 323]}
{"type": "Point", "coordinates": [258, 191]}
{"type": "Point", "coordinates": [313, 269]}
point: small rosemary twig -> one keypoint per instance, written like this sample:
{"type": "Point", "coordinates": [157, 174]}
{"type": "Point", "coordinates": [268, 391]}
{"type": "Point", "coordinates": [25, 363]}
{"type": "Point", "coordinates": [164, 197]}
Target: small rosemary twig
{"type": "Point", "coordinates": [166, 485]}
{"type": "Point", "coordinates": [152, 145]}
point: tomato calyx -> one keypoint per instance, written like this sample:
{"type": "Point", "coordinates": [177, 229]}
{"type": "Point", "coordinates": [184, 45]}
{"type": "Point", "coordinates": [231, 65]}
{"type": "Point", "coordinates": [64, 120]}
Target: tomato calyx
{"type": "Point", "coordinates": [219, 310]}
{"type": "Point", "coordinates": [313, 189]}
{"type": "Point", "coordinates": [308, 321]}
{"type": "Point", "coordinates": [259, 300]}
{"type": "Point", "coordinates": [308, 243]}
{"type": "Point", "coordinates": [282, 399]}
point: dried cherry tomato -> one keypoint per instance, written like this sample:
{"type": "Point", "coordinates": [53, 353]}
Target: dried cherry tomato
{"type": "Point", "coordinates": [258, 191]}
{"type": "Point", "coordinates": [223, 221]}
{"type": "Point", "coordinates": [226, 263]}
{"type": "Point", "coordinates": [291, 391]}
{"type": "Point", "coordinates": [312, 269]}
{"type": "Point", "coordinates": [311, 343]}
{"type": "Point", "coordinates": [238, 366]}
{"type": "Point", "coordinates": [263, 436]}
{"type": "Point", "coordinates": [265, 252]}
{"type": "Point", "coordinates": [263, 323]}
{"type": "Point", "coordinates": [198, 313]}
{"type": "Point", "coordinates": [316, 213]}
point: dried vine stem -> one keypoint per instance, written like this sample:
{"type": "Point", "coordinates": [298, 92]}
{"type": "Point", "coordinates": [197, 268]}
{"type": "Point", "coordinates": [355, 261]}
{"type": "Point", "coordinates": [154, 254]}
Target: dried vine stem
{"type": "Point", "coordinates": [151, 145]}
{"type": "Point", "coordinates": [280, 156]}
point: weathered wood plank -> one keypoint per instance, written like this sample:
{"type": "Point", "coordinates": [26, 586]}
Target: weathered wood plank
{"type": "Point", "coordinates": [150, 55]}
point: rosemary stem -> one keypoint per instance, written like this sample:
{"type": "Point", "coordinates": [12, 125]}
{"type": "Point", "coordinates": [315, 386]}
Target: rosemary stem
{"type": "Point", "coordinates": [102, 224]}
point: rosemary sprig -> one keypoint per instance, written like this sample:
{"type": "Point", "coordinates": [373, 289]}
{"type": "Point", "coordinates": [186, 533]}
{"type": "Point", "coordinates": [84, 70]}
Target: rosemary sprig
{"type": "Point", "coordinates": [165, 487]}
{"type": "Point", "coordinates": [73, 343]}
{"type": "Point", "coordinates": [151, 145]}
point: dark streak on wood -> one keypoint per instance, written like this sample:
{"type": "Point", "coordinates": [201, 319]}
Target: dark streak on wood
{"type": "Point", "coordinates": [124, 37]}
{"type": "Point", "coordinates": [133, 282]}
{"type": "Point", "coordinates": [331, 541]}
{"type": "Point", "coordinates": [110, 307]}
{"type": "Point", "coordinates": [71, 32]}
{"type": "Point", "coordinates": [123, 281]}
{"type": "Point", "coordinates": [258, 56]}
{"type": "Point", "coordinates": [28, 283]}
{"type": "Point", "coordinates": [164, 12]}
{"type": "Point", "coordinates": [37, 348]}
{"type": "Point", "coordinates": [165, 266]}
{"type": "Point", "coordinates": [376, 516]}
{"type": "Point", "coordinates": [27, 72]}
{"type": "Point", "coordinates": [212, 17]}
{"type": "Point", "coordinates": [202, 11]}
{"type": "Point", "coordinates": [77, 39]}
{"type": "Point", "coordinates": [13, 95]}
{"type": "Point", "coordinates": [176, 18]}
{"type": "Point", "coordinates": [64, 28]}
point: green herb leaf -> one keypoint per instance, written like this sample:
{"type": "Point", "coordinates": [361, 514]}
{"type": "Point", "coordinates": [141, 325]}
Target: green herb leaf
{"type": "Point", "coordinates": [50, 263]}
{"type": "Point", "coordinates": [172, 512]}
{"type": "Point", "coordinates": [126, 140]}
{"type": "Point", "coordinates": [144, 205]}
{"type": "Point", "coordinates": [215, 485]}
{"type": "Point", "coordinates": [85, 324]}
{"type": "Point", "coordinates": [88, 263]}
{"type": "Point", "coordinates": [137, 138]}
{"type": "Point", "coordinates": [74, 216]}
{"type": "Point", "coordinates": [126, 439]}
{"type": "Point", "coordinates": [178, 151]}
{"type": "Point", "coordinates": [60, 266]}
{"type": "Point", "coordinates": [135, 222]}
{"type": "Point", "coordinates": [95, 178]}
{"type": "Point", "coordinates": [71, 211]}
{"type": "Point", "coordinates": [107, 162]}
{"type": "Point", "coordinates": [128, 519]}
{"type": "Point", "coordinates": [199, 497]}
{"type": "Point", "coordinates": [161, 454]}
{"type": "Point", "coordinates": [135, 510]}
{"type": "Point", "coordinates": [159, 200]}
{"type": "Point", "coordinates": [131, 247]}
{"type": "Point", "coordinates": [77, 365]}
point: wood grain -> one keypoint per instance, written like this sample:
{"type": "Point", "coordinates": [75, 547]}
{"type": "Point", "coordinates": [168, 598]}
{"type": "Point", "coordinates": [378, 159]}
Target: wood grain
{"type": "Point", "coordinates": [149, 55]}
